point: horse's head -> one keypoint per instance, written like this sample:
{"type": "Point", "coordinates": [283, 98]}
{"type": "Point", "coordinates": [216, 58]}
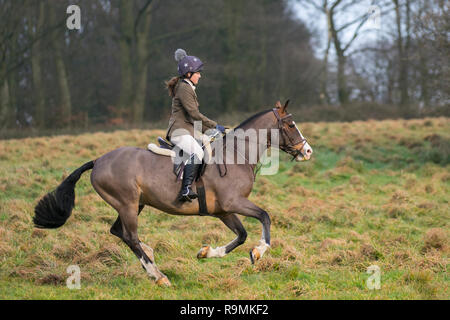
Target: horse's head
{"type": "Point", "coordinates": [291, 139]}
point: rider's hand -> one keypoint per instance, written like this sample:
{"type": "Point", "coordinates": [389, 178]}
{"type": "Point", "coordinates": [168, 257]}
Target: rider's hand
{"type": "Point", "coordinates": [220, 128]}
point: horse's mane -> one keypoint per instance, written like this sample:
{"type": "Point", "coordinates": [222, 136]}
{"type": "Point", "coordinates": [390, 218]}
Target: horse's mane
{"type": "Point", "coordinates": [252, 118]}
{"type": "Point", "coordinates": [243, 123]}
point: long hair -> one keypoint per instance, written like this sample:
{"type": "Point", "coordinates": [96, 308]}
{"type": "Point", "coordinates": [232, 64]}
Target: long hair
{"type": "Point", "coordinates": [170, 85]}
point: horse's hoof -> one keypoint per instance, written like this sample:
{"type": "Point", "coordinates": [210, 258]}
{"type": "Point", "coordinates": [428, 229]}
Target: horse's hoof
{"type": "Point", "coordinates": [254, 255]}
{"type": "Point", "coordinates": [203, 252]}
{"type": "Point", "coordinates": [163, 282]}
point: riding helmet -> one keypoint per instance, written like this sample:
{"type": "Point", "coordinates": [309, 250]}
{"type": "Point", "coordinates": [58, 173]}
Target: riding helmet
{"type": "Point", "coordinates": [187, 63]}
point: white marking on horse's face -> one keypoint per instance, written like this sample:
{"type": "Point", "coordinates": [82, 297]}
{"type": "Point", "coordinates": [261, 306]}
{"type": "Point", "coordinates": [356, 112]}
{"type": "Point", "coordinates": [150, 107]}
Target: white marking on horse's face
{"type": "Point", "coordinates": [306, 151]}
{"type": "Point", "coordinates": [298, 130]}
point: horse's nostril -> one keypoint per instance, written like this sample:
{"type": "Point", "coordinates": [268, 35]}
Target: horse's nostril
{"type": "Point", "coordinates": [309, 151]}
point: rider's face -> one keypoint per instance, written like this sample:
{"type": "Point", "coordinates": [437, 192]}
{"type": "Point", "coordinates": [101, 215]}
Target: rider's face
{"type": "Point", "coordinates": [195, 77]}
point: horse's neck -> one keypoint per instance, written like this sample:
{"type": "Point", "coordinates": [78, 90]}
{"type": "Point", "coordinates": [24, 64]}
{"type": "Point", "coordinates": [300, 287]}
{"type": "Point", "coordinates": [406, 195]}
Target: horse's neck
{"type": "Point", "coordinates": [263, 131]}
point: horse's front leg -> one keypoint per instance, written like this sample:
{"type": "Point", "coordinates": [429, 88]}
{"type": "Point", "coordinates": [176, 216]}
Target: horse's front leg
{"type": "Point", "coordinates": [231, 221]}
{"type": "Point", "coordinates": [249, 209]}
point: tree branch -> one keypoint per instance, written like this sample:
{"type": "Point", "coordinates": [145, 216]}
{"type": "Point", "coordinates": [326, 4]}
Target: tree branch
{"type": "Point", "coordinates": [140, 13]}
{"type": "Point", "coordinates": [352, 22]}
{"type": "Point", "coordinates": [312, 3]}
{"type": "Point", "coordinates": [355, 35]}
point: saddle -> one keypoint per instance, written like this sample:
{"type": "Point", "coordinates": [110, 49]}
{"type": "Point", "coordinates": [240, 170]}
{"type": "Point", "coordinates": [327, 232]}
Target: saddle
{"type": "Point", "coordinates": [166, 148]}
{"type": "Point", "coordinates": [163, 143]}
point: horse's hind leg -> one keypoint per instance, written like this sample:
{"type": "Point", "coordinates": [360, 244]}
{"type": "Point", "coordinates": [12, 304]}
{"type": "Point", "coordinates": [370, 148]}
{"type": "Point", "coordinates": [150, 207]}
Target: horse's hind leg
{"type": "Point", "coordinates": [117, 228]}
{"type": "Point", "coordinates": [128, 218]}
{"type": "Point", "coordinates": [231, 221]}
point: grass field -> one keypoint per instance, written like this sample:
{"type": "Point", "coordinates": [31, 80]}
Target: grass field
{"type": "Point", "coordinates": [375, 193]}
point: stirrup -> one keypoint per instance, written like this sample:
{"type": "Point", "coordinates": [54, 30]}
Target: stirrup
{"type": "Point", "coordinates": [187, 196]}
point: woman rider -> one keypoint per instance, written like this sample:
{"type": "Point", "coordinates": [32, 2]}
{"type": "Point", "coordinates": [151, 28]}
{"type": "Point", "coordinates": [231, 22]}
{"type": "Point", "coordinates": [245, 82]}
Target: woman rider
{"type": "Point", "coordinates": [185, 110]}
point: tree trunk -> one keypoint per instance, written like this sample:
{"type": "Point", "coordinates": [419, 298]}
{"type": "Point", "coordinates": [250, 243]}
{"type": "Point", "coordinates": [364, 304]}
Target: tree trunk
{"type": "Point", "coordinates": [141, 71]}
{"type": "Point", "coordinates": [259, 63]}
{"type": "Point", "coordinates": [341, 59]}
{"type": "Point", "coordinates": [39, 112]}
{"type": "Point", "coordinates": [229, 90]}
{"type": "Point", "coordinates": [403, 76]}
{"type": "Point", "coordinates": [64, 90]}
{"type": "Point", "coordinates": [390, 83]}
{"type": "Point", "coordinates": [324, 97]}
{"type": "Point", "coordinates": [4, 104]}
{"type": "Point", "coordinates": [342, 80]}
{"type": "Point", "coordinates": [125, 50]}
{"type": "Point", "coordinates": [406, 59]}
{"type": "Point", "coordinates": [62, 79]}
{"type": "Point", "coordinates": [424, 77]}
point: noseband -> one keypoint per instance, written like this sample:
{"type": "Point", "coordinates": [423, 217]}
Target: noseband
{"type": "Point", "coordinates": [292, 142]}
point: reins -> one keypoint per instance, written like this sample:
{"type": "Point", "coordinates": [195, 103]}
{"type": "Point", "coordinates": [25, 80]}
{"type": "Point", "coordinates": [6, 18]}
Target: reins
{"type": "Point", "coordinates": [288, 147]}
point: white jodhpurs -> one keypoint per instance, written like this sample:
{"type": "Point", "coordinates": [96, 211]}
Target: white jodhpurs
{"type": "Point", "coordinates": [188, 144]}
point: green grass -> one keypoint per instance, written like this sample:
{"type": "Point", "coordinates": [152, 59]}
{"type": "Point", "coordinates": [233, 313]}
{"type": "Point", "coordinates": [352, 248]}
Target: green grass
{"type": "Point", "coordinates": [374, 193]}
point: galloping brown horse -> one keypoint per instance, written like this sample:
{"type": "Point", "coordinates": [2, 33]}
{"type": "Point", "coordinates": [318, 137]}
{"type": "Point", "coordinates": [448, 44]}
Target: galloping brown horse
{"type": "Point", "coordinates": [129, 178]}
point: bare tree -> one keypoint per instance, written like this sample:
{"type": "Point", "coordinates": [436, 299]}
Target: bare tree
{"type": "Point", "coordinates": [335, 35]}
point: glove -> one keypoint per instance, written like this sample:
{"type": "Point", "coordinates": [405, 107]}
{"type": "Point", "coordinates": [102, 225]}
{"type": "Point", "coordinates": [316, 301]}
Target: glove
{"type": "Point", "coordinates": [220, 128]}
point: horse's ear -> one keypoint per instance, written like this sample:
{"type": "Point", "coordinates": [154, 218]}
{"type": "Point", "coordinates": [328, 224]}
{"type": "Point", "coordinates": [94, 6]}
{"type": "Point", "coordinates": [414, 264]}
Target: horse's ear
{"type": "Point", "coordinates": [278, 104]}
{"type": "Point", "coordinates": [283, 109]}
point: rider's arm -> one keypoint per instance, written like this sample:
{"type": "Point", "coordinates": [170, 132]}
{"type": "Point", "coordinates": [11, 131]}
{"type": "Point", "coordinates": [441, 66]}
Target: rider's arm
{"type": "Point", "coordinates": [189, 103]}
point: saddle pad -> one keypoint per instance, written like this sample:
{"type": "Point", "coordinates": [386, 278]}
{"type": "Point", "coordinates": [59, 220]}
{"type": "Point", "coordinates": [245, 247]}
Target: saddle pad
{"type": "Point", "coordinates": [162, 151]}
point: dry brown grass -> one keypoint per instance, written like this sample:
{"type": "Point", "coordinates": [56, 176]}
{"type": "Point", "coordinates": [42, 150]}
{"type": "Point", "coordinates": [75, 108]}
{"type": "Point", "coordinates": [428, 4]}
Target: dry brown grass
{"type": "Point", "coordinates": [332, 243]}
{"type": "Point", "coordinates": [436, 238]}
{"type": "Point", "coordinates": [110, 255]}
{"type": "Point", "coordinates": [369, 252]}
{"type": "Point", "coordinates": [400, 196]}
{"type": "Point", "coordinates": [397, 211]}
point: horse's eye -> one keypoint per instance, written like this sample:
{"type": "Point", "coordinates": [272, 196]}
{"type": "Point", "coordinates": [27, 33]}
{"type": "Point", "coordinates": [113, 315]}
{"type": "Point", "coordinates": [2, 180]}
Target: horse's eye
{"type": "Point", "coordinates": [291, 125]}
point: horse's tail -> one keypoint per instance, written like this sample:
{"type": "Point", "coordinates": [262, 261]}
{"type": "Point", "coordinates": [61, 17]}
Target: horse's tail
{"type": "Point", "coordinates": [55, 207]}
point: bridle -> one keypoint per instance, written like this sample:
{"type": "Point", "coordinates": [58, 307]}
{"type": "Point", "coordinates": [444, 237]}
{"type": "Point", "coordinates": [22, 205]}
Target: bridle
{"type": "Point", "coordinates": [289, 142]}
{"type": "Point", "coordinates": [288, 147]}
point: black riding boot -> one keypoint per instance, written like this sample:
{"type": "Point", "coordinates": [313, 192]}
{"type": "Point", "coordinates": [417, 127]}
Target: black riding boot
{"type": "Point", "coordinates": [189, 172]}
